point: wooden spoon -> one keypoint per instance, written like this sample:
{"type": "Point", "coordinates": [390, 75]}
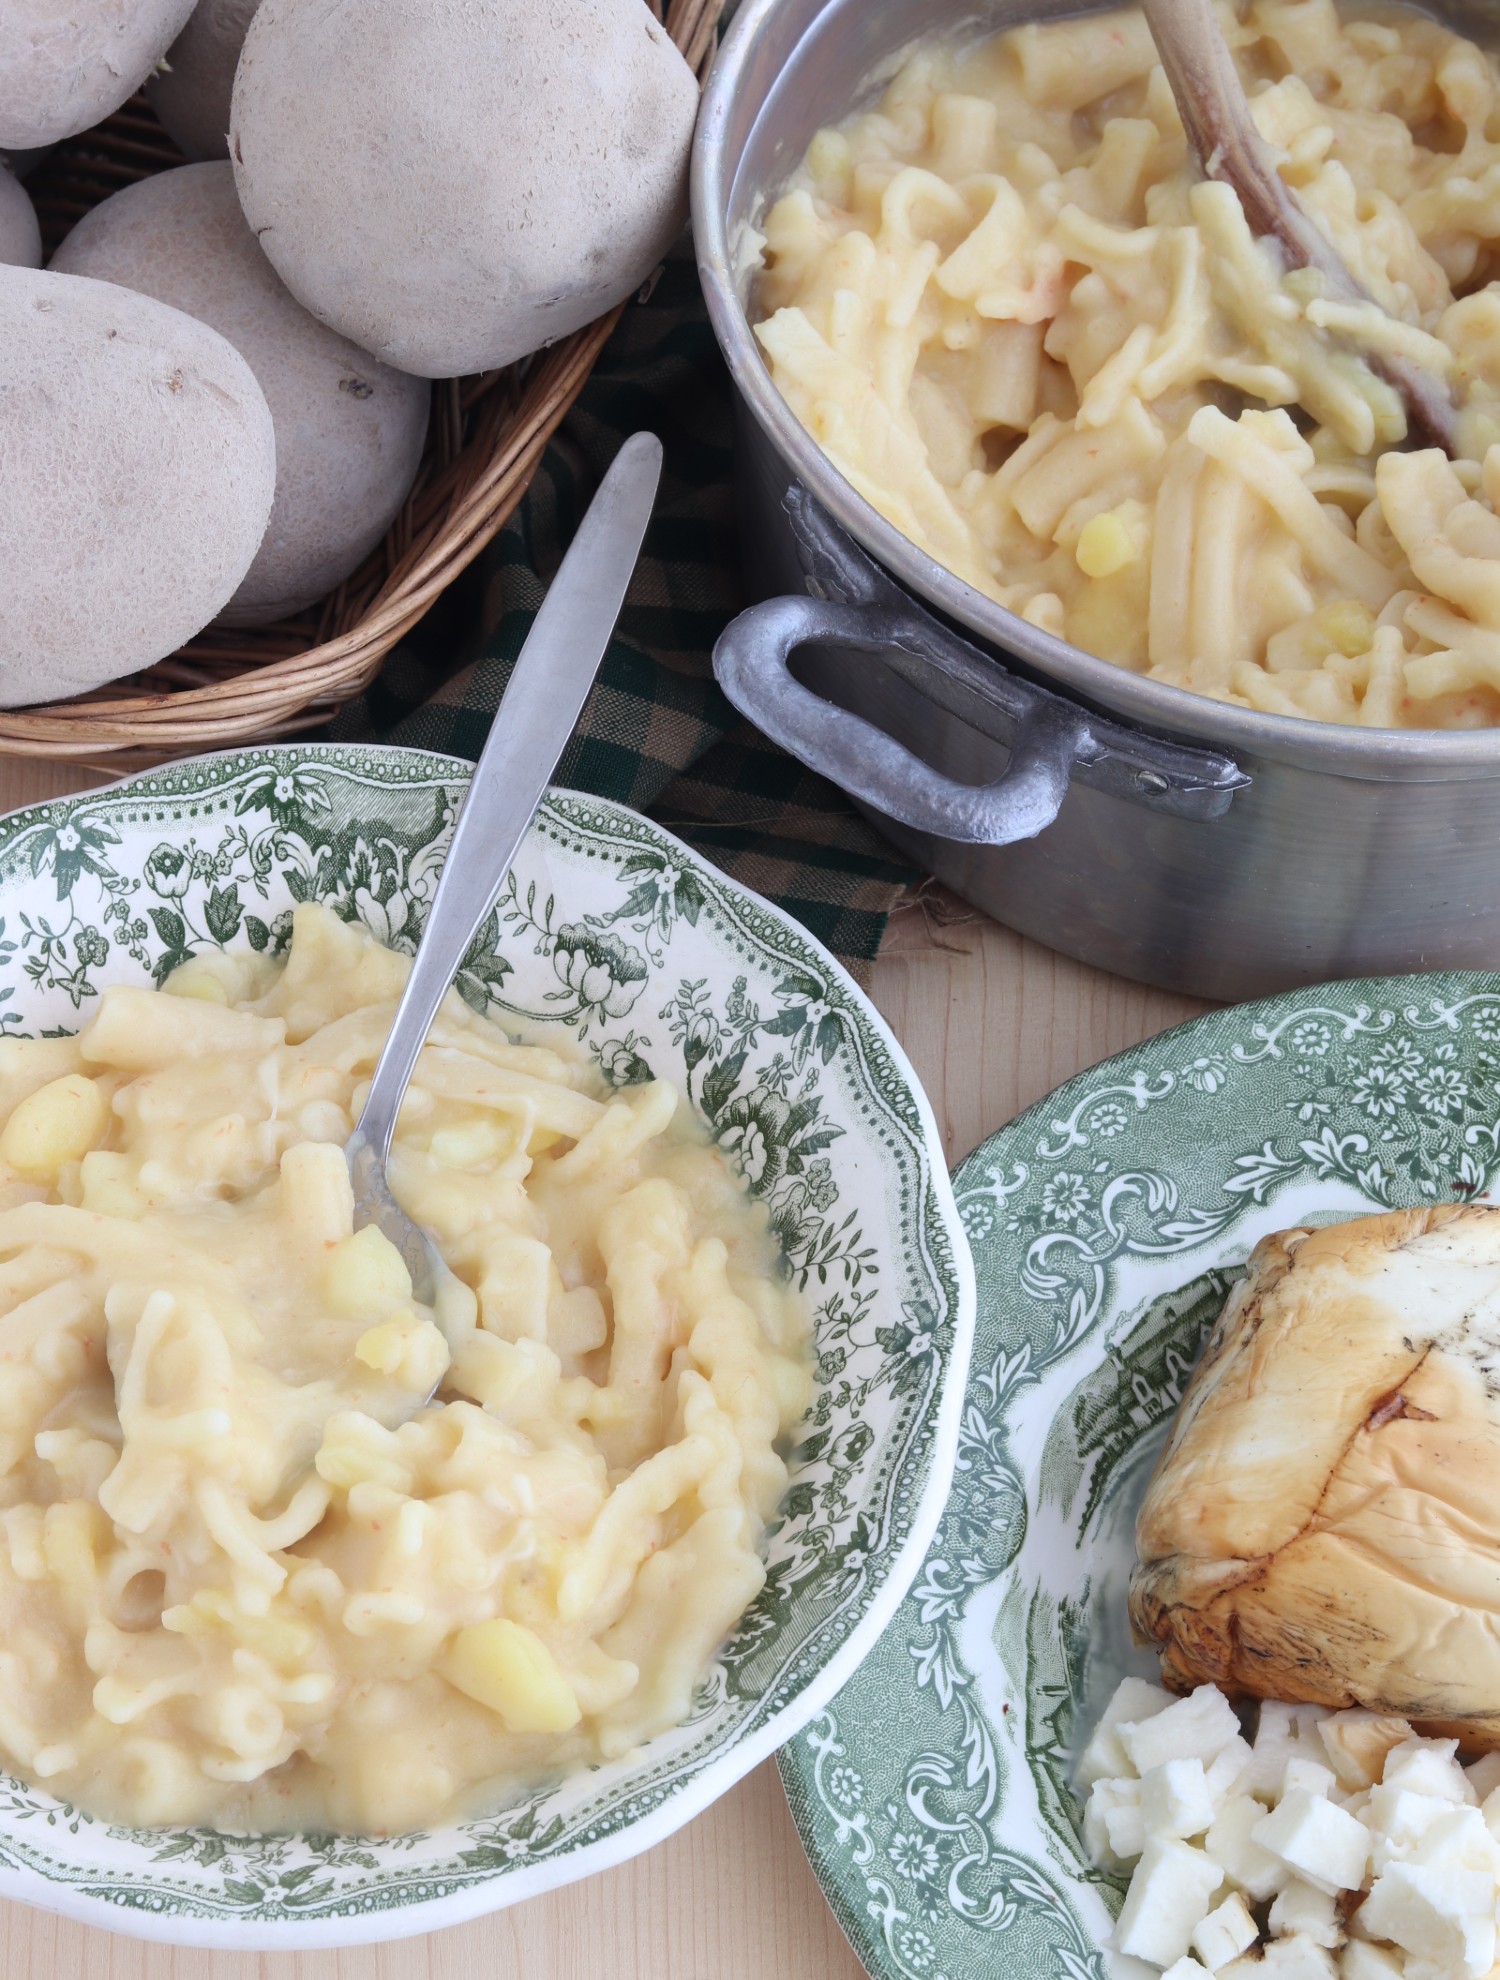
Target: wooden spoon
{"type": "Point", "coordinates": [1211, 102]}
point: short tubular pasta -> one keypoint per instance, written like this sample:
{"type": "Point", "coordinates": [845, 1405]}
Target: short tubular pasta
{"type": "Point", "coordinates": [1021, 326]}
{"type": "Point", "coordinates": [240, 1582]}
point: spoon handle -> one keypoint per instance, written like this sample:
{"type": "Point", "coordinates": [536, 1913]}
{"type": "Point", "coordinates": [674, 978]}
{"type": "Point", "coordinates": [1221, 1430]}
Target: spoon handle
{"type": "Point", "coordinates": [537, 714]}
{"type": "Point", "coordinates": [1216, 117]}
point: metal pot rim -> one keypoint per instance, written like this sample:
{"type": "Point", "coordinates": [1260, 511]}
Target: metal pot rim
{"type": "Point", "coordinates": [1418, 754]}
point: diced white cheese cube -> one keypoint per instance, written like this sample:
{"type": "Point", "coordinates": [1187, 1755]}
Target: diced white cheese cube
{"type": "Point", "coordinates": [1317, 1839]}
{"type": "Point", "coordinates": [1247, 1865]}
{"type": "Point", "coordinates": [1225, 1933]}
{"type": "Point", "coordinates": [1280, 1732]}
{"type": "Point", "coordinates": [1297, 1958]}
{"type": "Point", "coordinates": [1223, 1776]}
{"type": "Point", "coordinates": [1168, 1896]}
{"type": "Point", "coordinates": [1197, 1727]}
{"type": "Point", "coordinates": [1428, 1766]}
{"type": "Point", "coordinates": [1443, 1915]}
{"type": "Point", "coordinates": [1186, 1968]}
{"type": "Point", "coordinates": [1484, 1775]}
{"type": "Point", "coordinates": [1113, 1832]}
{"type": "Point", "coordinates": [1133, 1702]}
{"type": "Point", "coordinates": [1359, 1960]}
{"type": "Point", "coordinates": [1397, 1821]}
{"type": "Point", "coordinates": [1458, 1839]}
{"type": "Point", "coordinates": [1304, 1908]}
{"type": "Point", "coordinates": [1300, 1772]}
{"type": "Point", "coordinates": [1175, 1800]}
{"type": "Point", "coordinates": [1357, 1742]}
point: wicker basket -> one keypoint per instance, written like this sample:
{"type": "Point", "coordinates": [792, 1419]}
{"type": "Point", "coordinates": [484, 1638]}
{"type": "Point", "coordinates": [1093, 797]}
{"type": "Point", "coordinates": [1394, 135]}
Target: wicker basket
{"type": "Point", "coordinates": [486, 439]}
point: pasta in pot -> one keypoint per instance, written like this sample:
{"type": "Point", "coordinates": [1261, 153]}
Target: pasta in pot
{"type": "Point", "coordinates": [237, 1586]}
{"type": "Point", "coordinates": [1017, 321]}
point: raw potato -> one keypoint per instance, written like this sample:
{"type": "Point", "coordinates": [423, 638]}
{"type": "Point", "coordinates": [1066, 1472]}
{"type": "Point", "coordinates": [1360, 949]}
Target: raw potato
{"type": "Point", "coordinates": [137, 464]}
{"type": "Point", "coordinates": [453, 186]}
{"type": "Point", "coordinates": [20, 236]}
{"type": "Point", "coordinates": [66, 64]}
{"type": "Point", "coordinates": [191, 92]}
{"type": "Point", "coordinates": [349, 430]}
{"type": "Point", "coordinates": [1324, 1525]}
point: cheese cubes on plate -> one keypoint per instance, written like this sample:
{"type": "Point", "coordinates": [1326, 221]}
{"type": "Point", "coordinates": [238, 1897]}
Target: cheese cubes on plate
{"type": "Point", "coordinates": [1335, 1846]}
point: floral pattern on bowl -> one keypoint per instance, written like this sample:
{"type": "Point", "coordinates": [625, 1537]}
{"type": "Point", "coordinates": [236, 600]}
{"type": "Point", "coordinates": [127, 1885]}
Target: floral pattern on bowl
{"type": "Point", "coordinates": [614, 931]}
{"type": "Point", "coordinates": [1108, 1223]}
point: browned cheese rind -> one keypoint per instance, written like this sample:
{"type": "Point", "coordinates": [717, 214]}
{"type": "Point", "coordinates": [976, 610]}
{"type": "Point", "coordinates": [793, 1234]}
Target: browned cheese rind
{"type": "Point", "coordinates": [1324, 1524]}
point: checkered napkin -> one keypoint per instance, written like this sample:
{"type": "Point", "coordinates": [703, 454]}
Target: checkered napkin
{"type": "Point", "coordinates": [656, 733]}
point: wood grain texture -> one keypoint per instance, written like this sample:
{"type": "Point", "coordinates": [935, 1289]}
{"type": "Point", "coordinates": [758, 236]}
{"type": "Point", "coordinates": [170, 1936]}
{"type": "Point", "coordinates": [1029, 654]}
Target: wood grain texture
{"type": "Point", "coordinates": [991, 1023]}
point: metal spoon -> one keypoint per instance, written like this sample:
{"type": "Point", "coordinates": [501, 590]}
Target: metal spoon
{"type": "Point", "coordinates": [536, 716]}
{"type": "Point", "coordinates": [1215, 115]}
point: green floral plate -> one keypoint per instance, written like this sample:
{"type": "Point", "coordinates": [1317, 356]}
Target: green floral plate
{"type": "Point", "coordinates": [617, 933]}
{"type": "Point", "coordinates": [1107, 1223]}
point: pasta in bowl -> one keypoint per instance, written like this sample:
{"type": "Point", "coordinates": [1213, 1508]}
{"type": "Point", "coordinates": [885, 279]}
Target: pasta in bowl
{"type": "Point", "coordinates": [259, 1615]}
{"type": "Point", "coordinates": [1007, 311]}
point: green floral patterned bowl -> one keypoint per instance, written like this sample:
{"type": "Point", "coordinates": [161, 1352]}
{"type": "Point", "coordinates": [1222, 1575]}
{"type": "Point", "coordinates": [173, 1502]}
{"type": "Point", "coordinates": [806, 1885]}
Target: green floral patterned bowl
{"type": "Point", "coordinates": [615, 931]}
{"type": "Point", "coordinates": [1108, 1223]}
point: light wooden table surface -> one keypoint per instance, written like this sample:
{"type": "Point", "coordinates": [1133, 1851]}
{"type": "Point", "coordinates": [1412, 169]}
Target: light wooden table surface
{"type": "Point", "coordinates": [991, 1023]}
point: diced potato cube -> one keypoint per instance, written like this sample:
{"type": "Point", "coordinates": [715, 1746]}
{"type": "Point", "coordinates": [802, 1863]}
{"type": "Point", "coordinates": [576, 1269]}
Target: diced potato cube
{"type": "Point", "coordinates": [407, 1348]}
{"type": "Point", "coordinates": [107, 1185]}
{"type": "Point", "coordinates": [190, 979]}
{"type": "Point", "coordinates": [382, 1347]}
{"type": "Point", "coordinates": [1114, 1832]}
{"type": "Point", "coordinates": [1175, 1800]}
{"type": "Point", "coordinates": [1304, 1908]}
{"type": "Point", "coordinates": [366, 1276]}
{"type": "Point", "coordinates": [1443, 1915]}
{"type": "Point", "coordinates": [1245, 1862]}
{"type": "Point", "coordinates": [1225, 1933]}
{"type": "Point", "coordinates": [508, 1668]}
{"type": "Point", "coordinates": [1167, 1899]}
{"type": "Point", "coordinates": [58, 1123]}
{"type": "Point", "coordinates": [1133, 1702]}
{"type": "Point", "coordinates": [1198, 1727]}
{"type": "Point", "coordinates": [1317, 1839]}
{"type": "Point", "coordinates": [1109, 542]}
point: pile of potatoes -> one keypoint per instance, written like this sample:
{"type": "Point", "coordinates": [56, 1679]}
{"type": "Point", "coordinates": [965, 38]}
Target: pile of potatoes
{"type": "Point", "coordinates": [215, 400]}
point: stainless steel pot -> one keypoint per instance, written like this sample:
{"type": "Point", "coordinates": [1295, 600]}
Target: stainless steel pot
{"type": "Point", "coordinates": [1147, 830]}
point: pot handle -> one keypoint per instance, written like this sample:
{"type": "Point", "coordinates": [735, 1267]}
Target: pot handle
{"type": "Point", "coordinates": [751, 661]}
{"type": "Point", "coordinates": [1051, 740]}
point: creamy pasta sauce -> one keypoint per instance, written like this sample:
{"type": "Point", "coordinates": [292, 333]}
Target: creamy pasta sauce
{"type": "Point", "coordinates": [240, 1582]}
{"type": "Point", "coordinates": [1020, 324]}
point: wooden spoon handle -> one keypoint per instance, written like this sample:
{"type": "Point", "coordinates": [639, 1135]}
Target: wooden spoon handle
{"type": "Point", "coordinates": [1215, 115]}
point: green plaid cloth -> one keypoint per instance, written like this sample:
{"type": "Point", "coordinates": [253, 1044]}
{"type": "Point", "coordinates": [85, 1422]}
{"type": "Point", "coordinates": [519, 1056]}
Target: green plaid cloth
{"type": "Point", "coordinates": [656, 733]}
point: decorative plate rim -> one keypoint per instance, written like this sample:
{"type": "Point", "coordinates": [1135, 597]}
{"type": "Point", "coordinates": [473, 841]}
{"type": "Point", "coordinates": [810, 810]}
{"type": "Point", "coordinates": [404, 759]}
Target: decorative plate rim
{"type": "Point", "coordinates": [717, 1774]}
{"type": "Point", "coordinates": [1266, 1019]}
